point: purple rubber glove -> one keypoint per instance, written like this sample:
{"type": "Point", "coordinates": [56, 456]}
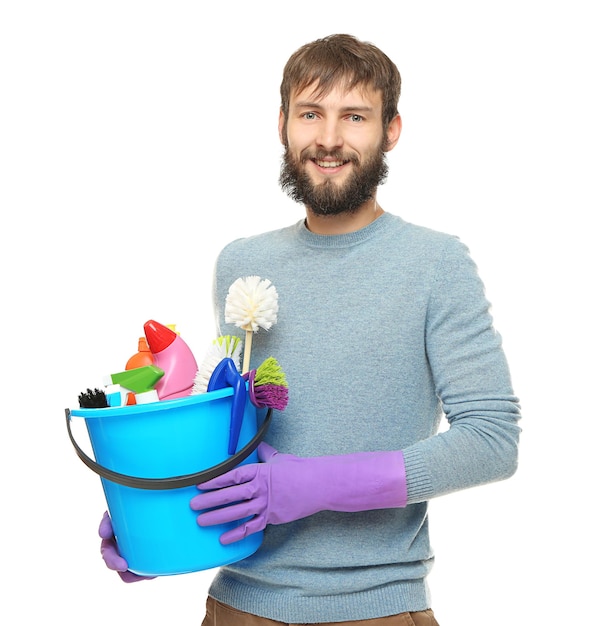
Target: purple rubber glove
{"type": "Point", "coordinates": [111, 556]}
{"type": "Point", "coordinates": [284, 488]}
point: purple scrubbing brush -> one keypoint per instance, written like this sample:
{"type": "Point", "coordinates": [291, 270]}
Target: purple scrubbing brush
{"type": "Point", "coordinates": [268, 386]}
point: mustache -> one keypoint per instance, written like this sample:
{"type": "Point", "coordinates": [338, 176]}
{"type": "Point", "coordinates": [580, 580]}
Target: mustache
{"type": "Point", "coordinates": [319, 155]}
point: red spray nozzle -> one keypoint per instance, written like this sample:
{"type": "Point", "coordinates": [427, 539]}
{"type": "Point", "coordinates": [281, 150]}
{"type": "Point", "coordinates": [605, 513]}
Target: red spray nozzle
{"type": "Point", "coordinates": [158, 335]}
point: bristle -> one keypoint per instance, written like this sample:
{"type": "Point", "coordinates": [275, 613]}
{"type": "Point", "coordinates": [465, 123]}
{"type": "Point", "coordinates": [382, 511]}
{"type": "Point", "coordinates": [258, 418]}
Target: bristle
{"type": "Point", "coordinates": [226, 346]}
{"type": "Point", "coordinates": [269, 386]}
{"type": "Point", "coordinates": [252, 303]}
{"type": "Point", "coordinates": [93, 399]}
{"type": "Point", "coordinates": [272, 396]}
{"type": "Point", "coordinates": [270, 372]}
{"type": "Point", "coordinates": [232, 347]}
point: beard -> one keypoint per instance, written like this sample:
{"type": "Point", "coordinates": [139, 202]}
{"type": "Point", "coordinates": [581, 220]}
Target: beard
{"type": "Point", "coordinates": [329, 198]}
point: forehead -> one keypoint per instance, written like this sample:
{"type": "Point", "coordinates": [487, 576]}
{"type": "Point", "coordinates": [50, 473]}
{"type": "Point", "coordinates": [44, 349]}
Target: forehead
{"type": "Point", "coordinates": [339, 95]}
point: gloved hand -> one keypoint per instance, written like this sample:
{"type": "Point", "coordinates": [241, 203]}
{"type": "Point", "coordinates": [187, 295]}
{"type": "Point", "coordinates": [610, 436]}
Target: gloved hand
{"type": "Point", "coordinates": [111, 556]}
{"type": "Point", "coordinates": [284, 488]}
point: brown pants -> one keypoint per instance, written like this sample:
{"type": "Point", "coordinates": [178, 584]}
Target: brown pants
{"type": "Point", "coordinates": [219, 614]}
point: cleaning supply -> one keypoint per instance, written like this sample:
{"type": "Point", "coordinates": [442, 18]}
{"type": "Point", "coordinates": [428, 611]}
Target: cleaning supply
{"type": "Point", "coordinates": [267, 385]}
{"type": "Point", "coordinates": [137, 380]}
{"type": "Point", "coordinates": [251, 303]}
{"type": "Point", "coordinates": [142, 357]}
{"type": "Point", "coordinates": [226, 346]}
{"type": "Point", "coordinates": [145, 397]}
{"type": "Point", "coordinates": [171, 354]}
{"type": "Point", "coordinates": [93, 399]}
{"type": "Point", "coordinates": [225, 374]}
{"type": "Point", "coordinates": [149, 459]}
{"type": "Point", "coordinates": [117, 395]}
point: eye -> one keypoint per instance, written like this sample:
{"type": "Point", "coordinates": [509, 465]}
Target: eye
{"type": "Point", "coordinates": [355, 117]}
{"type": "Point", "coordinates": [309, 115]}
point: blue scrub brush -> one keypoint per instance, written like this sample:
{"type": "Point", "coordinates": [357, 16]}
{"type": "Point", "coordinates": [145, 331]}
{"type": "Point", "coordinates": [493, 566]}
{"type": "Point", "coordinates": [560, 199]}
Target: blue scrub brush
{"type": "Point", "coordinates": [267, 388]}
{"type": "Point", "coordinates": [226, 346]}
{"type": "Point", "coordinates": [225, 374]}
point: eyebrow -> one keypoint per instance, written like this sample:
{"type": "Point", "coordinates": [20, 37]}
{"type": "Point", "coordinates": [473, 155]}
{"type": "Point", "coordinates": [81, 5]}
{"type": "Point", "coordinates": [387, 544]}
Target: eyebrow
{"type": "Point", "coordinates": [307, 104]}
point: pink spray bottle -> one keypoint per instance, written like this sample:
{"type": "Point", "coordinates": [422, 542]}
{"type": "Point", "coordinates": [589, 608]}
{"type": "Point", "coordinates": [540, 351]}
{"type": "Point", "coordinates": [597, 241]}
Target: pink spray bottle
{"type": "Point", "coordinates": [174, 357]}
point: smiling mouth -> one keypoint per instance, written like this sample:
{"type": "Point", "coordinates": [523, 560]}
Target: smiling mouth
{"type": "Point", "coordinates": [329, 164]}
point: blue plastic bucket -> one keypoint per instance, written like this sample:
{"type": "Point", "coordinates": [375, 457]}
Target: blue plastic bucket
{"type": "Point", "coordinates": [149, 458]}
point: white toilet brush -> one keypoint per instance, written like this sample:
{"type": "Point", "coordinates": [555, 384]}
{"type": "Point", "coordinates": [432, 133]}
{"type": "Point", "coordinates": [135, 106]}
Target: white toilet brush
{"type": "Point", "coordinates": [251, 303]}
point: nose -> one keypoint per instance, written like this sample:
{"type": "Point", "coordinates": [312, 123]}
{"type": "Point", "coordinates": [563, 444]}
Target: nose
{"type": "Point", "coordinates": [329, 136]}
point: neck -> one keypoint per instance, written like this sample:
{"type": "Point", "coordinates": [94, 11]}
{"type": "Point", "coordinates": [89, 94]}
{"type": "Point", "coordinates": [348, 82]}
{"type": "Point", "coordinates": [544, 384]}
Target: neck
{"type": "Point", "coordinates": [343, 222]}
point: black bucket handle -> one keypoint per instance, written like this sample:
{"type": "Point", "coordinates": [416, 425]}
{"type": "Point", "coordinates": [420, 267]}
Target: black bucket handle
{"type": "Point", "coordinates": [174, 482]}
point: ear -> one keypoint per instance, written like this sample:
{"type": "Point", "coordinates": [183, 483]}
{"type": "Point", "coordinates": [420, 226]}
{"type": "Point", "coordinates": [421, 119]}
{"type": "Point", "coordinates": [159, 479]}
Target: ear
{"type": "Point", "coordinates": [281, 128]}
{"type": "Point", "coordinates": [394, 128]}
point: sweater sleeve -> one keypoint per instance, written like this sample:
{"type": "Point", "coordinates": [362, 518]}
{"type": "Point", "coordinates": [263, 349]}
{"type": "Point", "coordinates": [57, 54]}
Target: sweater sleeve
{"type": "Point", "coordinates": [472, 381]}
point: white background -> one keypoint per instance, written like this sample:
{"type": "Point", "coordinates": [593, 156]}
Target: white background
{"type": "Point", "coordinates": [137, 138]}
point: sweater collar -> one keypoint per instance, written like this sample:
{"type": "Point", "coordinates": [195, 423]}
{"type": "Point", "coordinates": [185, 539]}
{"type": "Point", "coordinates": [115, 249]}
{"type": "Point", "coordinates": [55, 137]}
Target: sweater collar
{"type": "Point", "coordinates": [346, 240]}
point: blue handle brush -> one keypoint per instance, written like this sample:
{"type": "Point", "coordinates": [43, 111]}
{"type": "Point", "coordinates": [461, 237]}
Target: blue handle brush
{"type": "Point", "coordinates": [225, 374]}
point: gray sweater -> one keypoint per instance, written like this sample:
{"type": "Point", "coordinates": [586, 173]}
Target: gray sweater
{"type": "Point", "coordinates": [380, 333]}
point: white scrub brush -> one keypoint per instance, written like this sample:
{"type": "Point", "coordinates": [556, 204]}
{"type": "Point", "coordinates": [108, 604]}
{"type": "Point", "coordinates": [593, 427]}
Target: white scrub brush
{"type": "Point", "coordinates": [223, 347]}
{"type": "Point", "coordinates": [251, 304]}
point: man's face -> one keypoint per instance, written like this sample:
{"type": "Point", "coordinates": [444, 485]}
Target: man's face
{"type": "Point", "coordinates": [334, 149]}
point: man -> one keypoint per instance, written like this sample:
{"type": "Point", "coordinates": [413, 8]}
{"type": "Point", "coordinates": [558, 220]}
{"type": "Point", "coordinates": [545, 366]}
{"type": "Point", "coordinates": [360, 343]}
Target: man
{"type": "Point", "coordinates": [383, 327]}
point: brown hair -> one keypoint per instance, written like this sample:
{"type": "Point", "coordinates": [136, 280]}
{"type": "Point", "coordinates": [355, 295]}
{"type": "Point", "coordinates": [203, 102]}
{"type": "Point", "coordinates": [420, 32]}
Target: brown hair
{"type": "Point", "coordinates": [342, 59]}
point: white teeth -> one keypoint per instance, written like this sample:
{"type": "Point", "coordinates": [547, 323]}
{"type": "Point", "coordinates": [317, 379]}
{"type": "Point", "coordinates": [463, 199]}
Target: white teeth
{"type": "Point", "coordinates": [330, 163]}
